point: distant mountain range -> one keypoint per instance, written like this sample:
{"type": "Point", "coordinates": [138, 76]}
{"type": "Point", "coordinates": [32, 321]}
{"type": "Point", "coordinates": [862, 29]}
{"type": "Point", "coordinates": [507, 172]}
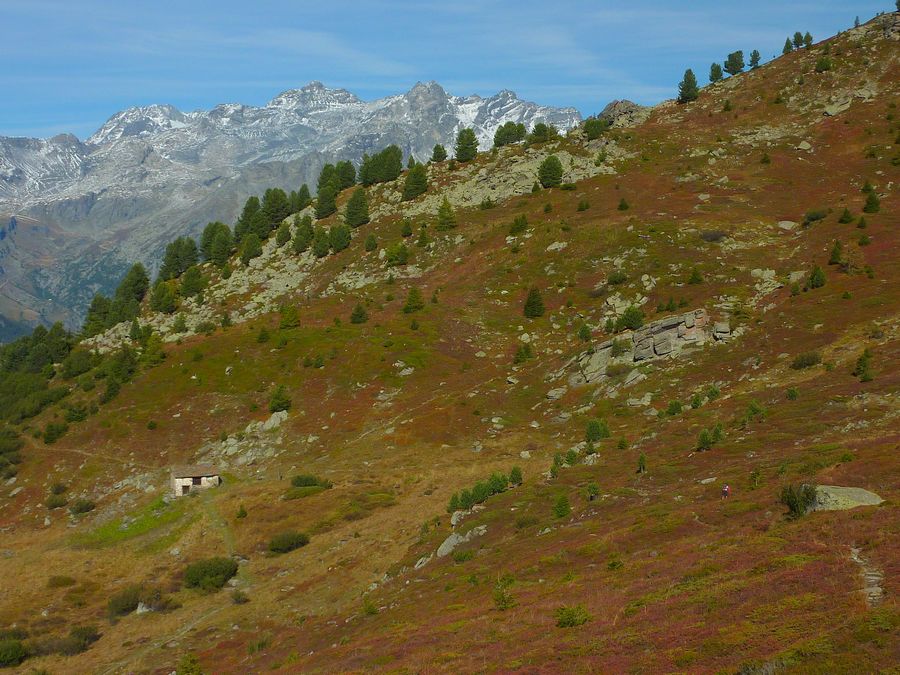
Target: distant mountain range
{"type": "Point", "coordinates": [74, 214]}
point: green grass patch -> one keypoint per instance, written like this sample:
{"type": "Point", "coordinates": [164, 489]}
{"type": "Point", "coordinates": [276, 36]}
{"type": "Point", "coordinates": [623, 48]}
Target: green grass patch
{"type": "Point", "coordinates": [301, 492]}
{"type": "Point", "coordinates": [154, 515]}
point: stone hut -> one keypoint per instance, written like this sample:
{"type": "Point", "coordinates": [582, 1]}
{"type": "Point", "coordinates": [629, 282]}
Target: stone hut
{"type": "Point", "coordinates": [187, 479]}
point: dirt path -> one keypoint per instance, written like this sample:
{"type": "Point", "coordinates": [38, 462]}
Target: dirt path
{"type": "Point", "coordinates": [872, 578]}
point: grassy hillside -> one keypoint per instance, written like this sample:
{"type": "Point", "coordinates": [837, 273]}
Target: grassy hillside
{"type": "Point", "coordinates": [726, 205]}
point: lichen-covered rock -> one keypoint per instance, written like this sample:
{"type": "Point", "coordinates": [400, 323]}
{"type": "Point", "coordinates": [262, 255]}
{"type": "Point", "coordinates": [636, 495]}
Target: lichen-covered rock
{"type": "Point", "coordinates": [838, 498]}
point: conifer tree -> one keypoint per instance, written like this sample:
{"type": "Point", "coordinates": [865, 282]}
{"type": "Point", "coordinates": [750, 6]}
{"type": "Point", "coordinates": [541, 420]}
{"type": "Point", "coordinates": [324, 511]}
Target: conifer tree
{"type": "Point", "coordinates": [192, 282]}
{"type": "Point", "coordinates": [325, 202]}
{"type": "Point", "coordinates": [180, 254]}
{"type": "Point", "coordinates": [304, 199]}
{"type": "Point", "coordinates": [534, 304]}
{"type": "Point", "coordinates": [414, 301]}
{"type": "Point", "coordinates": [446, 218]}
{"type": "Point", "coordinates": [221, 248]}
{"type": "Point", "coordinates": [279, 400]}
{"type": "Point", "coordinates": [371, 243]}
{"type": "Point", "coordinates": [357, 210]}
{"type": "Point", "coordinates": [242, 227]}
{"type": "Point", "coordinates": [798, 40]}
{"type": "Point", "coordinates": [283, 235]}
{"type": "Point", "coordinates": [416, 182]}
{"type": "Point", "coordinates": [328, 176]}
{"type": "Point", "coordinates": [303, 235]}
{"type": "Point", "coordinates": [788, 47]}
{"type": "Point", "coordinates": [509, 132]}
{"type": "Point", "coordinates": [359, 314]}
{"type": "Point", "coordinates": [406, 228]}
{"type": "Point", "coordinates": [715, 73]}
{"type": "Point", "coordinates": [807, 40]}
{"type": "Point", "coordinates": [542, 132]}
{"type": "Point", "coordinates": [209, 234]}
{"type": "Point", "coordinates": [321, 244]}
{"type": "Point", "coordinates": [339, 237]}
{"type": "Point", "coordinates": [873, 203]}
{"type": "Point", "coordinates": [550, 172]}
{"type": "Point", "coordinates": [687, 88]}
{"type": "Point", "coordinates": [162, 299]}
{"type": "Point", "coordinates": [439, 153]}
{"type": "Point", "coordinates": [734, 64]}
{"type": "Point", "coordinates": [754, 59]}
{"type": "Point", "coordinates": [276, 207]}
{"type": "Point", "coordinates": [251, 248]}
{"type": "Point", "coordinates": [466, 145]}
{"type": "Point", "coordinates": [346, 174]}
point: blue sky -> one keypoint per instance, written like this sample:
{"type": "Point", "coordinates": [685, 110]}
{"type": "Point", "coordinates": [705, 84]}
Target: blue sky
{"type": "Point", "coordinates": [70, 64]}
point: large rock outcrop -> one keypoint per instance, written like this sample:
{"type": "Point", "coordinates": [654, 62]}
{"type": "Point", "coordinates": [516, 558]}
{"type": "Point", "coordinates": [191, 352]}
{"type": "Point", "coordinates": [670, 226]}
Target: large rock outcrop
{"type": "Point", "coordinates": [664, 338]}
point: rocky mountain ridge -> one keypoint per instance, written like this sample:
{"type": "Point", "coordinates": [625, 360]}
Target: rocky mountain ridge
{"type": "Point", "coordinates": [153, 172]}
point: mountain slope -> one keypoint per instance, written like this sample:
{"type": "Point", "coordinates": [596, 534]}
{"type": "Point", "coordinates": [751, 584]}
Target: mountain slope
{"type": "Point", "coordinates": [709, 217]}
{"type": "Point", "coordinates": [152, 173]}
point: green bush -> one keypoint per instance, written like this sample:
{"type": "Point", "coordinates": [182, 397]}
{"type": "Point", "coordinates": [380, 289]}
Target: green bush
{"type": "Point", "coordinates": [125, 601]}
{"type": "Point", "coordinates": [569, 617]}
{"type": "Point", "coordinates": [806, 360]}
{"type": "Point", "coordinates": [210, 574]}
{"type": "Point", "coordinates": [82, 506]}
{"type": "Point", "coordinates": [12, 652]}
{"type": "Point", "coordinates": [798, 499]}
{"type": "Point", "coordinates": [561, 507]}
{"type": "Point", "coordinates": [550, 172]}
{"type": "Point", "coordinates": [56, 501]}
{"type": "Point", "coordinates": [54, 431]}
{"type": "Point", "coordinates": [279, 400]}
{"type": "Point", "coordinates": [287, 542]}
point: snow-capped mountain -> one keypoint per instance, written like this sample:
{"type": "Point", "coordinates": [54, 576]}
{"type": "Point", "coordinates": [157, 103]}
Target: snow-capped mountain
{"type": "Point", "coordinates": [151, 173]}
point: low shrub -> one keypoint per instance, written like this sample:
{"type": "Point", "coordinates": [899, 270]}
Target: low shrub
{"type": "Point", "coordinates": [210, 574]}
{"type": "Point", "coordinates": [12, 652]}
{"type": "Point", "coordinates": [569, 617]}
{"type": "Point", "coordinates": [798, 499]}
{"type": "Point", "coordinates": [287, 542]}
{"type": "Point", "coordinates": [56, 501]}
{"type": "Point", "coordinates": [81, 506]}
{"type": "Point", "coordinates": [238, 597]}
{"type": "Point", "coordinates": [713, 236]}
{"type": "Point", "coordinates": [806, 360]}
{"type": "Point", "coordinates": [308, 480]}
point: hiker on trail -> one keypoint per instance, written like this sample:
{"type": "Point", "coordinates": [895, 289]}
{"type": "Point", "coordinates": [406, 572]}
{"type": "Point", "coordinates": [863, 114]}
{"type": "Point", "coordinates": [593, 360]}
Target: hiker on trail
{"type": "Point", "coordinates": [726, 491]}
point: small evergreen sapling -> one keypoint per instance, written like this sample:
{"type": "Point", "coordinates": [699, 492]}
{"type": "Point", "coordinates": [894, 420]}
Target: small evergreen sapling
{"type": "Point", "coordinates": [534, 304]}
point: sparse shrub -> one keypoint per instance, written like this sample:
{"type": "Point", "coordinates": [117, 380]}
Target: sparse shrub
{"type": "Point", "coordinates": [515, 476]}
{"type": "Point", "coordinates": [704, 441]}
{"type": "Point", "coordinates": [82, 506]}
{"type": "Point", "coordinates": [238, 597]}
{"type": "Point", "coordinates": [519, 225]}
{"type": "Point", "coordinates": [241, 512]}
{"type": "Point", "coordinates": [695, 277]}
{"type": "Point", "coordinates": [189, 665]}
{"type": "Point", "coordinates": [823, 64]}
{"type": "Point", "coordinates": [503, 598]}
{"type": "Point", "coordinates": [584, 333]}
{"type": "Point", "coordinates": [623, 204]}
{"type": "Point", "coordinates": [674, 408]}
{"type": "Point", "coordinates": [792, 394]}
{"type": "Point", "coordinates": [873, 203]}
{"type": "Point", "coordinates": [798, 499]}
{"type": "Point", "coordinates": [210, 574]}
{"type": "Point", "coordinates": [642, 464]}
{"type": "Point", "coordinates": [765, 159]}
{"type": "Point", "coordinates": [287, 542]}
{"type": "Point", "coordinates": [813, 216]}
{"type": "Point", "coordinates": [806, 360]}
{"type": "Point", "coordinates": [571, 616]}
{"type": "Point", "coordinates": [583, 205]}
{"type": "Point", "coordinates": [863, 367]}
{"type": "Point", "coordinates": [524, 352]}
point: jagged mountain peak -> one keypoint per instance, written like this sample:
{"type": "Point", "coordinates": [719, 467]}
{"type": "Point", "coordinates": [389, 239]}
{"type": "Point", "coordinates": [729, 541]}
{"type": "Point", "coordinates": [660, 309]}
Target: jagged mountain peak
{"type": "Point", "coordinates": [313, 97]}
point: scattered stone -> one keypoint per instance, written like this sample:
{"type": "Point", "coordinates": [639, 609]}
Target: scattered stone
{"type": "Point", "coordinates": [556, 394]}
{"type": "Point", "coordinates": [787, 225]}
{"type": "Point", "coordinates": [707, 481]}
{"type": "Point", "coordinates": [557, 246]}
